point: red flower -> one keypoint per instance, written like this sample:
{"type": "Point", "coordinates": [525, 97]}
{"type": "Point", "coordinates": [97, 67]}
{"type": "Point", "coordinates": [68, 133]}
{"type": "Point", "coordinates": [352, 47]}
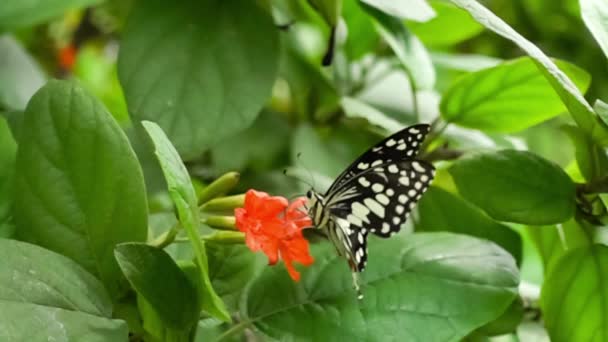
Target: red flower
{"type": "Point", "coordinates": [275, 228]}
{"type": "Point", "coordinates": [67, 57]}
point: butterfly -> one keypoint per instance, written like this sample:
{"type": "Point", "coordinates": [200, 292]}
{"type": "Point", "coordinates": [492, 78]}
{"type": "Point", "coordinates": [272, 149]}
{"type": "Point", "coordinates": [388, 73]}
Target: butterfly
{"type": "Point", "coordinates": [375, 194]}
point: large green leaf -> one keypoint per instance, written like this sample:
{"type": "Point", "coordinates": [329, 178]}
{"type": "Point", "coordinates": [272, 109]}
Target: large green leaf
{"type": "Point", "coordinates": [595, 15]}
{"type": "Point", "coordinates": [21, 75]}
{"type": "Point", "coordinates": [434, 33]}
{"type": "Point", "coordinates": [183, 195]}
{"type": "Point", "coordinates": [412, 54]}
{"type": "Point", "coordinates": [506, 98]}
{"type": "Point", "coordinates": [575, 297]}
{"type": "Point", "coordinates": [31, 274]}
{"type": "Point", "coordinates": [79, 187]}
{"type": "Point", "coordinates": [440, 210]}
{"type": "Point", "coordinates": [422, 287]}
{"type": "Point", "coordinates": [201, 69]}
{"type": "Point", "coordinates": [579, 108]}
{"type": "Point", "coordinates": [45, 295]}
{"type": "Point", "coordinates": [516, 186]}
{"type": "Point", "coordinates": [18, 14]}
{"type": "Point", "coordinates": [231, 268]}
{"type": "Point", "coordinates": [417, 10]}
{"type": "Point", "coordinates": [8, 151]}
{"type": "Point", "coordinates": [30, 322]}
{"type": "Point", "coordinates": [156, 277]}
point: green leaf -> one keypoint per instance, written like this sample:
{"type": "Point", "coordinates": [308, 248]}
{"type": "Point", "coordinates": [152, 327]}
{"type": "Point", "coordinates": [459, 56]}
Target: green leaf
{"type": "Point", "coordinates": [591, 159]}
{"type": "Point", "coordinates": [328, 9]}
{"type": "Point", "coordinates": [313, 94]}
{"type": "Point", "coordinates": [434, 33]}
{"type": "Point", "coordinates": [355, 108]}
{"type": "Point", "coordinates": [553, 241]}
{"type": "Point", "coordinates": [506, 98]}
{"type": "Point", "coordinates": [579, 108]}
{"type": "Point", "coordinates": [360, 39]}
{"type": "Point", "coordinates": [595, 15]}
{"type": "Point", "coordinates": [31, 274]}
{"type": "Point", "coordinates": [507, 322]}
{"type": "Point", "coordinates": [19, 14]}
{"type": "Point", "coordinates": [232, 267]}
{"type": "Point", "coordinates": [328, 151]}
{"type": "Point", "coordinates": [75, 173]}
{"type": "Point", "coordinates": [259, 147]}
{"type": "Point", "coordinates": [463, 62]}
{"type": "Point", "coordinates": [8, 151]}
{"type": "Point", "coordinates": [574, 296]}
{"type": "Point", "coordinates": [422, 287]}
{"type": "Point", "coordinates": [21, 75]}
{"type": "Point", "coordinates": [601, 108]}
{"type": "Point", "coordinates": [31, 322]}
{"type": "Point", "coordinates": [156, 277]}
{"type": "Point", "coordinates": [412, 54]}
{"type": "Point", "coordinates": [516, 186]}
{"type": "Point", "coordinates": [45, 295]}
{"type": "Point", "coordinates": [201, 69]}
{"type": "Point", "coordinates": [417, 10]}
{"type": "Point", "coordinates": [183, 195]}
{"type": "Point", "coordinates": [440, 210]}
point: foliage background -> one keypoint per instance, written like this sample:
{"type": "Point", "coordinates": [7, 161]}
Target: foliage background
{"type": "Point", "coordinates": [240, 86]}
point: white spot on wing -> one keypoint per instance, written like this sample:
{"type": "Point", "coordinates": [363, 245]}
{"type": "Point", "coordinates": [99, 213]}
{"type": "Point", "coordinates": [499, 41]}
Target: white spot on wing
{"type": "Point", "coordinates": [354, 220]}
{"type": "Point", "coordinates": [377, 187]}
{"type": "Point", "coordinates": [401, 147]}
{"type": "Point", "coordinates": [390, 192]}
{"type": "Point", "coordinates": [393, 168]}
{"type": "Point", "coordinates": [385, 228]}
{"type": "Point", "coordinates": [402, 199]}
{"type": "Point", "coordinates": [399, 209]}
{"type": "Point", "coordinates": [360, 211]}
{"type": "Point", "coordinates": [363, 166]}
{"type": "Point", "coordinates": [396, 220]}
{"type": "Point", "coordinates": [416, 165]}
{"type": "Point", "coordinates": [363, 181]}
{"type": "Point", "coordinates": [382, 199]}
{"type": "Point", "coordinates": [391, 142]}
{"type": "Point", "coordinates": [375, 207]}
{"type": "Point", "coordinates": [404, 180]}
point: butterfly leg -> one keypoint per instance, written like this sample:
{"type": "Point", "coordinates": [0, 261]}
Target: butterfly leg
{"type": "Point", "coordinates": [356, 285]}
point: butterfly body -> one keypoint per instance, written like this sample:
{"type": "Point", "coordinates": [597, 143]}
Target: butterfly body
{"type": "Point", "coordinates": [375, 194]}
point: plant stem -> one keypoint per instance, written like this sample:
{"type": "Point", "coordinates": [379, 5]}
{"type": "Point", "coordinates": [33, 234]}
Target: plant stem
{"type": "Point", "coordinates": [166, 238]}
{"type": "Point", "coordinates": [220, 222]}
{"type": "Point", "coordinates": [219, 187]}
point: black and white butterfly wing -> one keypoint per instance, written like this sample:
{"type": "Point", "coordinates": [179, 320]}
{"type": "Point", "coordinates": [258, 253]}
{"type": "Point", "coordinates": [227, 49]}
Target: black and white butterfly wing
{"type": "Point", "coordinates": [376, 201]}
{"type": "Point", "coordinates": [402, 145]}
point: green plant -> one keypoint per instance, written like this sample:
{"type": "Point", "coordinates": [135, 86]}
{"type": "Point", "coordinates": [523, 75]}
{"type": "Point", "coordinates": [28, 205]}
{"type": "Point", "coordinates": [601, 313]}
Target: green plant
{"type": "Point", "coordinates": [120, 224]}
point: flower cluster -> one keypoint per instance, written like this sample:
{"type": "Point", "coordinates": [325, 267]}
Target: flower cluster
{"type": "Point", "coordinates": [274, 226]}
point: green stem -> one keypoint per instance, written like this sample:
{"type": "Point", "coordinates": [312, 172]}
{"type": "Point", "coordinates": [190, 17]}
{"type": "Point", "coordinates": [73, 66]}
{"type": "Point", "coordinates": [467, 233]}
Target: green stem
{"type": "Point", "coordinates": [166, 238]}
{"type": "Point", "coordinates": [598, 186]}
{"type": "Point", "coordinates": [222, 204]}
{"type": "Point", "coordinates": [235, 329]}
{"type": "Point", "coordinates": [220, 222]}
{"type": "Point", "coordinates": [219, 187]}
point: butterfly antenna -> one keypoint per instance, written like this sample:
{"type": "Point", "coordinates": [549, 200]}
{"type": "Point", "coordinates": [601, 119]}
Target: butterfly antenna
{"type": "Point", "coordinates": [301, 163]}
{"type": "Point", "coordinates": [286, 173]}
